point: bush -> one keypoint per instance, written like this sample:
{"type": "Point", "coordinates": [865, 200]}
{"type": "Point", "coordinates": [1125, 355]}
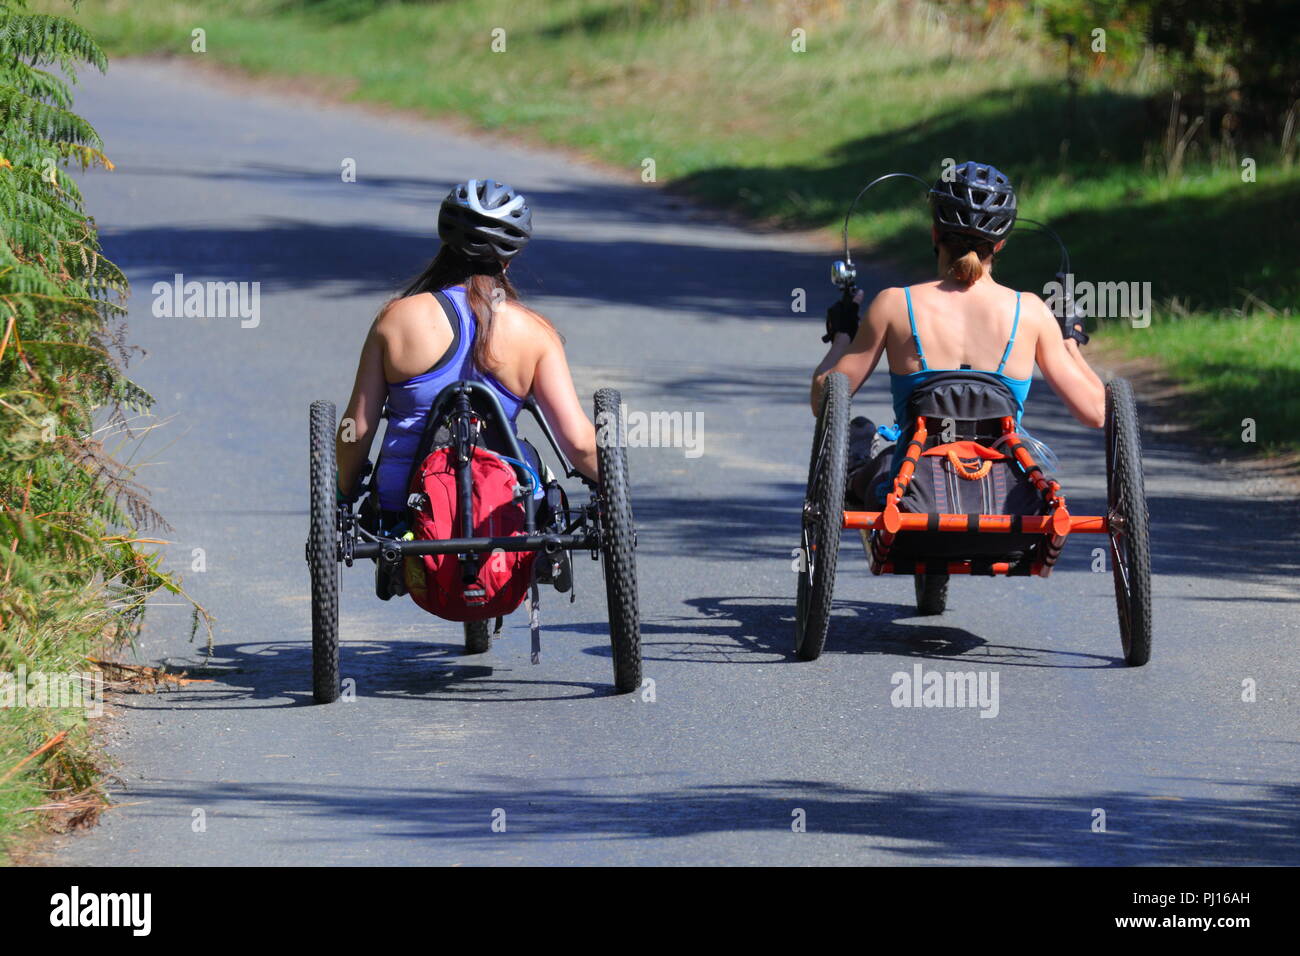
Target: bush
{"type": "Point", "coordinates": [72, 570]}
{"type": "Point", "coordinates": [1235, 61]}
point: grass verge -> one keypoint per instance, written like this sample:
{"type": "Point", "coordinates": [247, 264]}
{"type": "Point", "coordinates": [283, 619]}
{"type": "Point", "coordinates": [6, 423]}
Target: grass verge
{"type": "Point", "coordinates": [730, 108]}
{"type": "Point", "coordinates": [75, 572]}
{"type": "Point", "coordinates": [1238, 388]}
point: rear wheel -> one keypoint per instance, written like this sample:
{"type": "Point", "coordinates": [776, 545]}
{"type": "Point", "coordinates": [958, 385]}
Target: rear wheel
{"type": "Point", "coordinates": [822, 520]}
{"type": "Point", "coordinates": [1129, 527]}
{"type": "Point", "coordinates": [323, 556]}
{"type": "Point", "coordinates": [618, 542]}
{"type": "Point", "coordinates": [478, 637]}
{"type": "Point", "coordinates": [931, 593]}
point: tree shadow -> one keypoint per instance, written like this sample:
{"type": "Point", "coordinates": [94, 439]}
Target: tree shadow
{"type": "Point", "coordinates": [1026, 125]}
{"type": "Point", "coordinates": [277, 674]}
{"type": "Point", "coordinates": [1257, 828]}
{"type": "Point", "coordinates": [1140, 236]}
{"type": "Point", "coordinates": [289, 256]}
{"type": "Point", "coordinates": [754, 630]}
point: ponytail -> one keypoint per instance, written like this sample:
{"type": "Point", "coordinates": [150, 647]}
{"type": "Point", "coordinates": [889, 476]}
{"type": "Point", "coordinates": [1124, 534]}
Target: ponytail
{"type": "Point", "coordinates": [968, 269]}
{"type": "Point", "coordinates": [965, 257]}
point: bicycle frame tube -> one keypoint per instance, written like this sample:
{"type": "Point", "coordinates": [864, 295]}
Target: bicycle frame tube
{"type": "Point", "coordinates": [546, 543]}
{"type": "Point", "coordinates": [566, 466]}
{"type": "Point", "coordinates": [985, 524]}
{"type": "Point", "coordinates": [463, 441]}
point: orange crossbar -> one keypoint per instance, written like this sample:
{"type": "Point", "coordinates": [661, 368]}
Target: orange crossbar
{"type": "Point", "coordinates": [964, 567]}
{"type": "Point", "coordinates": [1029, 524]}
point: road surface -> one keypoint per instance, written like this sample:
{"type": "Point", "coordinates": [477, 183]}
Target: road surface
{"type": "Point", "coordinates": [744, 756]}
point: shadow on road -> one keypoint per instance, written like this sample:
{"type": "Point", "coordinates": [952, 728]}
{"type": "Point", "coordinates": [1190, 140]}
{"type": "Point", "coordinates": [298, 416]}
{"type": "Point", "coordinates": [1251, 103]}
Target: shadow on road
{"type": "Point", "coordinates": [1255, 828]}
{"type": "Point", "coordinates": [765, 626]}
{"type": "Point", "coordinates": [277, 674]}
{"type": "Point", "coordinates": [635, 237]}
{"type": "Point", "coordinates": [722, 630]}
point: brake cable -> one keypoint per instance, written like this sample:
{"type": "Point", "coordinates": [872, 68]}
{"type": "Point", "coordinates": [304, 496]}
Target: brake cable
{"type": "Point", "coordinates": [850, 273]}
{"type": "Point", "coordinates": [1020, 221]}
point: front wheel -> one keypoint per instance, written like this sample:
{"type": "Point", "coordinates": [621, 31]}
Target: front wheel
{"type": "Point", "coordinates": [822, 519]}
{"type": "Point", "coordinates": [478, 637]}
{"type": "Point", "coordinates": [323, 556]}
{"type": "Point", "coordinates": [1128, 523]}
{"type": "Point", "coordinates": [931, 593]}
{"type": "Point", "coordinates": [618, 542]}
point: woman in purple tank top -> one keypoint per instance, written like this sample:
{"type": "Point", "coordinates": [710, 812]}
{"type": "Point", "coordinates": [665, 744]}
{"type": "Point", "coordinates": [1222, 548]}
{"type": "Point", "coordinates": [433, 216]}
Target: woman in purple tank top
{"type": "Point", "coordinates": [415, 348]}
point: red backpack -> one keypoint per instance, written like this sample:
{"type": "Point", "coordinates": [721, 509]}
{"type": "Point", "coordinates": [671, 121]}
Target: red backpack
{"type": "Point", "coordinates": [435, 581]}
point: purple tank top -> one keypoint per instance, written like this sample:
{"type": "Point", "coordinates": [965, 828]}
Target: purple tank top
{"type": "Point", "coordinates": [409, 403]}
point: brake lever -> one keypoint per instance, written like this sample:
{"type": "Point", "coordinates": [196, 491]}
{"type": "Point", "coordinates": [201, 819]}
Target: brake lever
{"type": "Point", "coordinates": [848, 289]}
{"type": "Point", "coordinates": [1072, 319]}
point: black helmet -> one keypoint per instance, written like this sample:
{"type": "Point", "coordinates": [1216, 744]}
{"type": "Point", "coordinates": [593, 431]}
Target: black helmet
{"type": "Point", "coordinates": [485, 219]}
{"type": "Point", "coordinates": [978, 201]}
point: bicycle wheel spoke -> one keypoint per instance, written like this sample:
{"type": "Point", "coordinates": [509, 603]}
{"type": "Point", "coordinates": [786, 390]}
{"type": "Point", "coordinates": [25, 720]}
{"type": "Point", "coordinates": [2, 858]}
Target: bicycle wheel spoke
{"type": "Point", "coordinates": [1120, 557]}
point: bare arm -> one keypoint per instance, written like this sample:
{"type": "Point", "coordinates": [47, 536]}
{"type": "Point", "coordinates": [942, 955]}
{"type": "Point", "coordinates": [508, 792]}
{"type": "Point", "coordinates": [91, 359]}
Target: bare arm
{"type": "Point", "coordinates": [361, 418]}
{"type": "Point", "coordinates": [856, 359]}
{"type": "Point", "coordinates": [1075, 352]}
{"type": "Point", "coordinates": [1068, 372]}
{"type": "Point", "coordinates": [558, 399]}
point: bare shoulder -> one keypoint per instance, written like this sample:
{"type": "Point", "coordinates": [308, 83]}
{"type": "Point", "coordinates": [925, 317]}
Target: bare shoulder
{"type": "Point", "coordinates": [888, 309]}
{"type": "Point", "coordinates": [1036, 317]}
{"type": "Point", "coordinates": [522, 326]}
{"type": "Point", "coordinates": [1032, 300]}
{"type": "Point", "coordinates": [403, 313]}
{"type": "Point", "coordinates": [887, 300]}
{"type": "Point", "coordinates": [1036, 310]}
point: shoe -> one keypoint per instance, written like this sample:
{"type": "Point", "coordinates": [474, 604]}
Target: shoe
{"type": "Point", "coordinates": [862, 435]}
{"type": "Point", "coordinates": [555, 569]}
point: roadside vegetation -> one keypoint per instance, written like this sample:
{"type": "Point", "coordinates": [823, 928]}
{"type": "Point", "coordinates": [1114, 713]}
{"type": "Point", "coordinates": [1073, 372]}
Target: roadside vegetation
{"type": "Point", "coordinates": [75, 571]}
{"type": "Point", "coordinates": [1133, 152]}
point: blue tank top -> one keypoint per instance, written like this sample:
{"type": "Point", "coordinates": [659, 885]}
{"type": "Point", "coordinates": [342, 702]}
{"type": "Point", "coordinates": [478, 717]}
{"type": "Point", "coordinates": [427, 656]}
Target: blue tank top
{"type": "Point", "coordinates": [409, 403]}
{"type": "Point", "coordinates": [902, 386]}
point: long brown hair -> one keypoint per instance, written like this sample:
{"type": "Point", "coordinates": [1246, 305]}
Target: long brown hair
{"type": "Point", "coordinates": [486, 287]}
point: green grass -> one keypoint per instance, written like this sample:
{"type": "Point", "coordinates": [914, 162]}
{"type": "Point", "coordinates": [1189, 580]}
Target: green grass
{"type": "Point", "coordinates": [69, 770]}
{"type": "Point", "coordinates": [22, 792]}
{"type": "Point", "coordinates": [729, 113]}
{"type": "Point", "coordinates": [1233, 369]}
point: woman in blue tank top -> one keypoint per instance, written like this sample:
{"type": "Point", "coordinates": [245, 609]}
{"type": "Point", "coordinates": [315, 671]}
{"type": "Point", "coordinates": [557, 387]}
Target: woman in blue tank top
{"type": "Point", "coordinates": [415, 347]}
{"type": "Point", "coordinates": [962, 320]}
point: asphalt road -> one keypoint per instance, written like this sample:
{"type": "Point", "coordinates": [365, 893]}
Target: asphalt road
{"type": "Point", "coordinates": [683, 313]}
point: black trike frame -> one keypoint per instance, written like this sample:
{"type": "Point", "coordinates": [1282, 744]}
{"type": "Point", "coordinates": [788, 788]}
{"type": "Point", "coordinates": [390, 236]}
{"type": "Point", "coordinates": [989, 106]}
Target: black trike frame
{"type": "Point", "coordinates": [473, 406]}
{"type": "Point", "coordinates": [473, 417]}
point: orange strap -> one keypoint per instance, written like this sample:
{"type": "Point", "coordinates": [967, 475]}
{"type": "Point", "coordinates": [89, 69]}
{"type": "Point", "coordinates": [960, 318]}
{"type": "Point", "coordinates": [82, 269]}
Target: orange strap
{"type": "Point", "coordinates": [967, 449]}
{"type": "Point", "coordinates": [966, 471]}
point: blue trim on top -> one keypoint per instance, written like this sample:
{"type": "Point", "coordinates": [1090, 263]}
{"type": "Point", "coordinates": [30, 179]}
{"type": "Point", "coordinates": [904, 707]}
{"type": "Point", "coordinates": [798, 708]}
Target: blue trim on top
{"type": "Point", "coordinates": [911, 320]}
{"type": "Point", "coordinates": [1015, 324]}
{"type": "Point", "coordinates": [901, 386]}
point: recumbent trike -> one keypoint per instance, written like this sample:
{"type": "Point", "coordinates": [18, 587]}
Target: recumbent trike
{"type": "Point", "coordinates": [465, 422]}
{"type": "Point", "coordinates": [969, 496]}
